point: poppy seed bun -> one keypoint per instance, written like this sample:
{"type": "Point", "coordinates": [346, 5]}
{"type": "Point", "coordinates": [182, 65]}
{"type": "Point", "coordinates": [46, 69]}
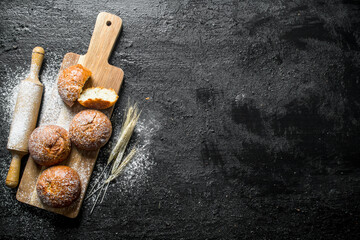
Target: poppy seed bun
{"type": "Point", "coordinates": [98, 97]}
{"type": "Point", "coordinates": [71, 81]}
{"type": "Point", "coordinates": [49, 145]}
{"type": "Point", "coordinates": [58, 186]}
{"type": "Point", "coordinates": [90, 129]}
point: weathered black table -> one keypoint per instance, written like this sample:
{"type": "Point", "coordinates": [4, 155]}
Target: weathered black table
{"type": "Point", "coordinates": [250, 115]}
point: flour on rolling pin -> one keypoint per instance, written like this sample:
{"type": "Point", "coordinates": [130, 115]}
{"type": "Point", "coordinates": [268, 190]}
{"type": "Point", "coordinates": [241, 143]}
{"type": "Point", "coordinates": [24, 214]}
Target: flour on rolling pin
{"type": "Point", "coordinates": [26, 109]}
{"type": "Point", "coordinates": [25, 116]}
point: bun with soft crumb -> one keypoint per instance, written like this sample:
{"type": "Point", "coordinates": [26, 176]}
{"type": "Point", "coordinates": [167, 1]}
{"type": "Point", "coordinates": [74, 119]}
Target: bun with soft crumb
{"type": "Point", "coordinates": [58, 186]}
{"type": "Point", "coordinates": [90, 129]}
{"type": "Point", "coordinates": [98, 97]}
{"type": "Point", "coordinates": [71, 81]}
{"type": "Point", "coordinates": [49, 145]}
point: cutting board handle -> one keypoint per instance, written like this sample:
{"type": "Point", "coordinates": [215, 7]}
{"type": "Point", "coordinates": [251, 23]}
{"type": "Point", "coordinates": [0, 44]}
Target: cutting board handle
{"type": "Point", "coordinates": [106, 31]}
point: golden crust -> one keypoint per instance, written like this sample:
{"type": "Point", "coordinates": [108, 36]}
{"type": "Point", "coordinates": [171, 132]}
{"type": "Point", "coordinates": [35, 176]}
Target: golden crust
{"type": "Point", "coordinates": [90, 130]}
{"type": "Point", "coordinates": [49, 145]}
{"type": "Point", "coordinates": [71, 81]}
{"type": "Point", "coordinates": [58, 186]}
{"type": "Point", "coordinates": [98, 103]}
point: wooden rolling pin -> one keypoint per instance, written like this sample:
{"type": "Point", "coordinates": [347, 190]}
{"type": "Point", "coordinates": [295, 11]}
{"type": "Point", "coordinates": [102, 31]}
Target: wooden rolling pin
{"type": "Point", "coordinates": [25, 116]}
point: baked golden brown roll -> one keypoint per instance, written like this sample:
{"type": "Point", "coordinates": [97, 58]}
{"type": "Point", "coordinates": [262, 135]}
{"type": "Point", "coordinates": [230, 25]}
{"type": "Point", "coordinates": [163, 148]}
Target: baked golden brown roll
{"type": "Point", "coordinates": [98, 97]}
{"type": "Point", "coordinates": [71, 81]}
{"type": "Point", "coordinates": [49, 145]}
{"type": "Point", "coordinates": [90, 129]}
{"type": "Point", "coordinates": [58, 186]}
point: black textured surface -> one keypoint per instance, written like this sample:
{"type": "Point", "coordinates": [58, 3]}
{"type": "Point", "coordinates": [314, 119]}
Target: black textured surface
{"type": "Point", "coordinates": [258, 103]}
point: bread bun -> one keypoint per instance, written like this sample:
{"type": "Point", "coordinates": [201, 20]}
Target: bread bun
{"type": "Point", "coordinates": [49, 145]}
{"type": "Point", "coordinates": [90, 129]}
{"type": "Point", "coordinates": [71, 81]}
{"type": "Point", "coordinates": [98, 97]}
{"type": "Point", "coordinates": [58, 186]}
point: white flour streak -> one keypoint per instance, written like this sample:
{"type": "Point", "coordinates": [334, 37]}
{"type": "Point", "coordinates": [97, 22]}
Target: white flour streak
{"type": "Point", "coordinates": [48, 78]}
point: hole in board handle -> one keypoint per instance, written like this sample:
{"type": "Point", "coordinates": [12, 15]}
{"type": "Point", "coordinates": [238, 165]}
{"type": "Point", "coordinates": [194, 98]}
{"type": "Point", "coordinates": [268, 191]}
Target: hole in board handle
{"type": "Point", "coordinates": [108, 23]}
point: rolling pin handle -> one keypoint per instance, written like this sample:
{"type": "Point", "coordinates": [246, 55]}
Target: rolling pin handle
{"type": "Point", "coordinates": [12, 178]}
{"type": "Point", "coordinates": [36, 61]}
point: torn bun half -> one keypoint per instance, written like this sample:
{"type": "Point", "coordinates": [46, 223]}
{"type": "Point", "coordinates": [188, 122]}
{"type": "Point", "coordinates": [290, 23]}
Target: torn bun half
{"type": "Point", "coordinates": [71, 81]}
{"type": "Point", "coordinates": [98, 98]}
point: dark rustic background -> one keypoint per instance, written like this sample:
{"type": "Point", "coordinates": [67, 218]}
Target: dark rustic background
{"type": "Point", "coordinates": [258, 103]}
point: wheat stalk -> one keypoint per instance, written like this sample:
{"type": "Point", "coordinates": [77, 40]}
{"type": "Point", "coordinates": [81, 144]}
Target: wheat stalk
{"type": "Point", "coordinates": [127, 129]}
{"type": "Point", "coordinates": [123, 164]}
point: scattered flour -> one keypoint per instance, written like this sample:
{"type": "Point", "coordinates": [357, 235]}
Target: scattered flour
{"type": "Point", "coordinates": [8, 92]}
{"type": "Point", "coordinates": [135, 174]}
{"type": "Point", "coordinates": [13, 78]}
{"type": "Point", "coordinates": [136, 171]}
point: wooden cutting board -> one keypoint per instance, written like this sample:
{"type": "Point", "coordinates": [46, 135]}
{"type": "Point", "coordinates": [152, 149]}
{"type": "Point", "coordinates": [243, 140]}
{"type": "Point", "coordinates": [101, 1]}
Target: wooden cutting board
{"type": "Point", "coordinates": [106, 31]}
